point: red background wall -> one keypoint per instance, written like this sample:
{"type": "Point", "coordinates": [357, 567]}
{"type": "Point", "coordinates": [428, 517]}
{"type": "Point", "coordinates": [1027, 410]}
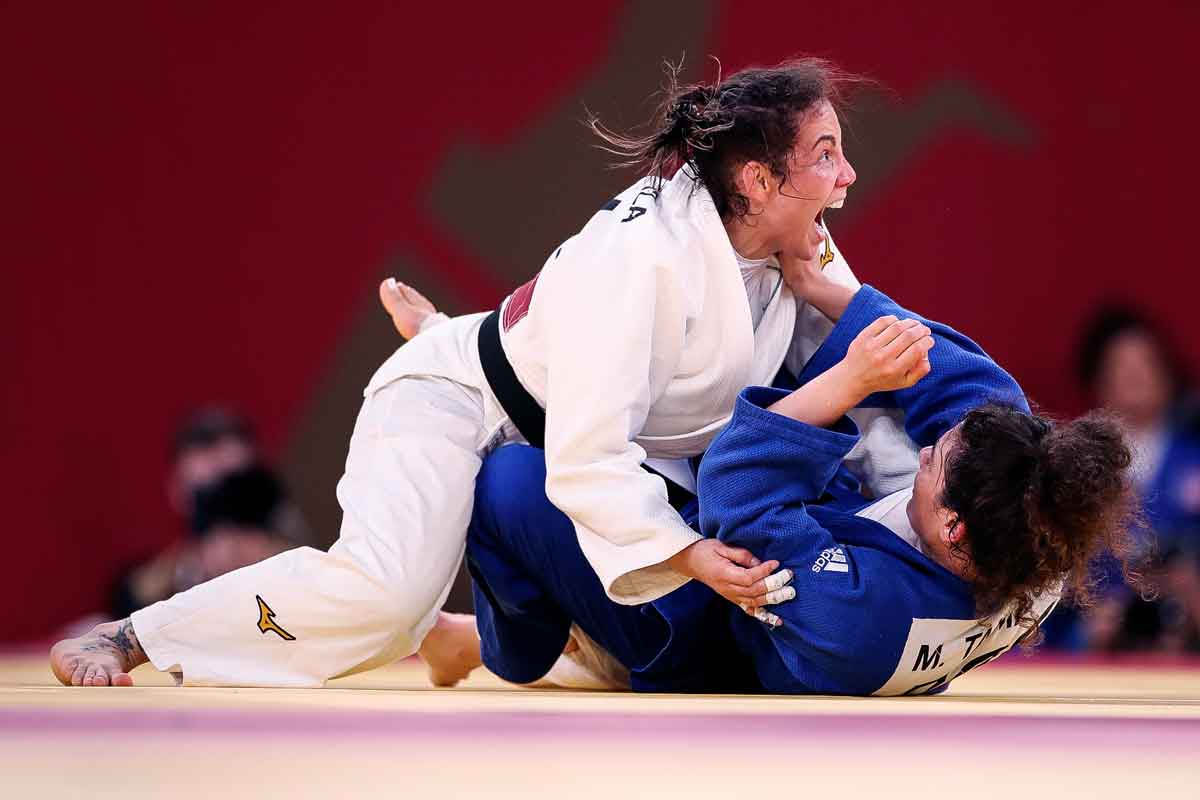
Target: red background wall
{"type": "Point", "coordinates": [198, 200]}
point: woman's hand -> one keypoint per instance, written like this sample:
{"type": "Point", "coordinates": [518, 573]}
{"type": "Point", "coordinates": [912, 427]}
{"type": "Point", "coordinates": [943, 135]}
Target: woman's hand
{"type": "Point", "coordinates": [407, 307]}
{"type": "Point", "coordinates": [736, 575]}
{"type": "Point", "coordinates": [808, 281]}
{"type": "Point", "coordinates": [888, 354]}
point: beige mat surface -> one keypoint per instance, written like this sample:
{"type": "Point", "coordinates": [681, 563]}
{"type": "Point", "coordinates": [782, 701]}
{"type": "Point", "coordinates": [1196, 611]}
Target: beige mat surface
{"type": "Point", "coordinates": [1062, 729]}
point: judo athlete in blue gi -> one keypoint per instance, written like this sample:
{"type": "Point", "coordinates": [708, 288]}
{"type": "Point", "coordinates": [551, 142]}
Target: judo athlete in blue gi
{"type": "Point", "coordinates": [897, 595]}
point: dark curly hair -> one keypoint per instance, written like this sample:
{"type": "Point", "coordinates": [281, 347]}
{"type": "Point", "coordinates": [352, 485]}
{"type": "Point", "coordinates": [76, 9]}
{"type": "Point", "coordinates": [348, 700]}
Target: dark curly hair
{"type": "Point", "coordinates": [712, 128]}
{"type": "Point", "coordinates": [1040, 501]}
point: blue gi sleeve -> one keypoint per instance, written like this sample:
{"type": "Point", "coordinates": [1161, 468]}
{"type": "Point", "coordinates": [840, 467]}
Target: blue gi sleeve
{"type": "Point", "coordinates": [962, 377]}
{"type": "Point", "coordinates": [756, 484]}
{"type": "Point", "coordinates": [763, 462]}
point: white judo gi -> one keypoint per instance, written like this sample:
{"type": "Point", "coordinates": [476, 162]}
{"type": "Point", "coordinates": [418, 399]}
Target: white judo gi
{"type": "Point", "coordinates": [636, 338]}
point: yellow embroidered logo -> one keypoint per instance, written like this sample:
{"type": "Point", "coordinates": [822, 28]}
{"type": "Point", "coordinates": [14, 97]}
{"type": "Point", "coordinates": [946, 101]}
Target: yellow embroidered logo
{"type": "Point", "coordinates": [266, 621]}
{"type": "Point", "coordinates": [827, 256]}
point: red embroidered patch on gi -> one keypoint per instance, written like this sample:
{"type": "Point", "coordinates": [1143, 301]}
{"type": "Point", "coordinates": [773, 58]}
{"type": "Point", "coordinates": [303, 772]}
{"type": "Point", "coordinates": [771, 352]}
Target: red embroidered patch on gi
{"type": "Point", "coordinates": [518, 304]}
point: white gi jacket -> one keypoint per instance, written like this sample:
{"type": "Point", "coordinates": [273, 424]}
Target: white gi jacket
{"type": "Point", "coordinates": [636, 338]}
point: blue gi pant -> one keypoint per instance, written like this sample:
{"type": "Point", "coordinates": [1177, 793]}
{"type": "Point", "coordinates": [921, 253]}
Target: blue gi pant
{"type": "Point", "coordinates": [531, 581]}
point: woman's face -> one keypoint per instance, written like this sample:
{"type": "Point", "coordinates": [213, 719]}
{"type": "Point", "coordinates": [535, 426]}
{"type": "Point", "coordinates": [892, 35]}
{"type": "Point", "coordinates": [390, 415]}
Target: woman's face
{"type": "Point", "coordinates": [1134, 380]}
{"type": "Point", "coordinates": [933, 523]}
{"type": "Point", "coordinates": [819, 177]}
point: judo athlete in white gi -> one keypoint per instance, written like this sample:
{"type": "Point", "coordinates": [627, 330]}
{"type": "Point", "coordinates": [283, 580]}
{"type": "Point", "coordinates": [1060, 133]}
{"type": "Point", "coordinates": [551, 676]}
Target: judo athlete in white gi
{"type": "Point", "coordinates": [635, 338]}
{"type": "Point", "coordinates": [895, 596]}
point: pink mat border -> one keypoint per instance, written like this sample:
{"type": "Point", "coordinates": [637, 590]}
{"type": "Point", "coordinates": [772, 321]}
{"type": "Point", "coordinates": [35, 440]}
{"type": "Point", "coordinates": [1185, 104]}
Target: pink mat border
{"type": "Point", "coordinates": [1017, 732]}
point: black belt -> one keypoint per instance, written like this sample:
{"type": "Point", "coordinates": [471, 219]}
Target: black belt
{"type": "Point", "coordinates": [525, 413]}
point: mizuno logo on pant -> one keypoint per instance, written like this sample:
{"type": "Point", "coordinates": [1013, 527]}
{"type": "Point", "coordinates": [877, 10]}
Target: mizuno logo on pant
{"type": "Point", "coordinates": [266, 621]}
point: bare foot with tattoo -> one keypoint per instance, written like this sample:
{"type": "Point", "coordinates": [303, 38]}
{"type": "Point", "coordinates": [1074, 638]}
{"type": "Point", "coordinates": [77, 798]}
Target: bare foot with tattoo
{"type": "Point", "coordinates": [451, 649]}
{"type": "Point", "coordinates": [407, 307]}
{"type": "Point", "coordinates": [102, 657]}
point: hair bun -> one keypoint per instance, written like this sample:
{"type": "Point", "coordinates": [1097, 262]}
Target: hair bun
{"type": "Point", "coordinates": [1040, 502]}
{"type": "Point", "coordinates": [693, 106]}
{"type": "Point", "coordinates": [1081, 469]}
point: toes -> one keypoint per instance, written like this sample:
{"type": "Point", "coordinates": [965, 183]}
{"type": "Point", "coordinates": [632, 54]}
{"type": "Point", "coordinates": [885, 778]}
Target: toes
{"type": "Point", "coordinates": [77, 674]}
{"type": "Point", "coordinates": [389, 293]}
{"type": "Point", "coordinates": [122, 679]}
{"type": "Point", "coordinates": [100, 678]}
{"type": "Point", "coordinates": [90, 675]}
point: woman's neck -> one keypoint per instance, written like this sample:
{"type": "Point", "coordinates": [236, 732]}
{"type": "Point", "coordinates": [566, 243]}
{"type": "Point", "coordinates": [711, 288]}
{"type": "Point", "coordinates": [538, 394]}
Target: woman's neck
{"type": "Point", "coordinates": [749, 241]}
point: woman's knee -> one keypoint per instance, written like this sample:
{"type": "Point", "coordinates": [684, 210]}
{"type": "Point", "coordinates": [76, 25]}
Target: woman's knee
{"type": "Point", "coordinates": [510, 488]}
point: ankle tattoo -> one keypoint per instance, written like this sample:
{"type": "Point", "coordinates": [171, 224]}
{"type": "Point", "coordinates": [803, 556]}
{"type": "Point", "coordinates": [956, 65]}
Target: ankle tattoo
{"type": "Point", "coordinates": [125, 640]}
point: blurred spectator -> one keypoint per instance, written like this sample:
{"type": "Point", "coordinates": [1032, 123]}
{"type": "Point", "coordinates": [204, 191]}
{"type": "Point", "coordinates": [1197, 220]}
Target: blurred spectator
{"type": "Point", "coordinates": [1128, 367]}
{"type": "Point", "coordinates": [235, 510]}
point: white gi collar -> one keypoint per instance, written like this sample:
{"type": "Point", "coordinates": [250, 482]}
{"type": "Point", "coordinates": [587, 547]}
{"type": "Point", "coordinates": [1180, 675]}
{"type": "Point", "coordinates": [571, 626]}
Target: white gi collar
{"type": "Point", "coordinates": [892, 513]}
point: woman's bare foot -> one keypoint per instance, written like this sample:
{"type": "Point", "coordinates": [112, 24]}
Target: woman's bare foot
{"type": "Point", "coordinates": [407, 307]}
{"type": "Point", "coordinates": [451, 650]}
{"type": "Point", "coordinates": [102, 657]}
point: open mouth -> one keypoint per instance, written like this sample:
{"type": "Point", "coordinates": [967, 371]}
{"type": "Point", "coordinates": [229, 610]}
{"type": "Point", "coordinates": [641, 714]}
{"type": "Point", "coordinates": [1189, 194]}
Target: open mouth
{"type": "Point", "coordinates": [820, 218]}
{"type": "Point", "coordinates": [817, 234]}
{"type": "Point", "coordinates": [819, 221]}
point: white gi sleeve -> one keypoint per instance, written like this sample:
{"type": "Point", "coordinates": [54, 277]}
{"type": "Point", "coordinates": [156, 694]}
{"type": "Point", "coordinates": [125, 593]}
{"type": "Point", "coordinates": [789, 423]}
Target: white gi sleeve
{"type": "Point", "coordinates": [618, 331]}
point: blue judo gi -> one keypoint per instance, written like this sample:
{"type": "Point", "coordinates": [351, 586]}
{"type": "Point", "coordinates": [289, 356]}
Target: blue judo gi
{"type": "Point", "coordinates": [776, 487]}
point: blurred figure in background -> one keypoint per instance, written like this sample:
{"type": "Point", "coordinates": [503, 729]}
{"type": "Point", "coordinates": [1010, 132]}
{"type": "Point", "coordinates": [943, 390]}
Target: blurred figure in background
{"type": "Point", "coordinates": [1127, 366]}
{"type": "Point", "coordinates": [236, 511]}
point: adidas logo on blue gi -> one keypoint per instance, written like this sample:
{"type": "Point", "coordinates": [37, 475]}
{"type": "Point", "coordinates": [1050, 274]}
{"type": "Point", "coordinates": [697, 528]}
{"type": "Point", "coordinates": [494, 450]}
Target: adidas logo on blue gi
{"type": "Point", "coordinates": [832, 559]}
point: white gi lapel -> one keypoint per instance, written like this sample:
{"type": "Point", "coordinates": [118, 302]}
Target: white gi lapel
{"type": "Point", "coordinates": [773, 337]}
{"type": "Point", "coordinates": [737, 341]}
{"type": "Point", "coordinates": [753, 356]}
{"type": "Point", "coordinates": [718, 353]}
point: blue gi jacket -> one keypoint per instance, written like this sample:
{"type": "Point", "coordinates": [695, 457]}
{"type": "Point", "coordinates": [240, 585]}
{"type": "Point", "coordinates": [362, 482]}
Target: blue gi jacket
{"type": "Point", "coordinates": [763, 486]}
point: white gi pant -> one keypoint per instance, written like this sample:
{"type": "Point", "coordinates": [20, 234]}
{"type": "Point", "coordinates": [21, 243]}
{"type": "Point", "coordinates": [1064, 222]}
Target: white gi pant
{"type": "Point", "coordinates": [407, 496]}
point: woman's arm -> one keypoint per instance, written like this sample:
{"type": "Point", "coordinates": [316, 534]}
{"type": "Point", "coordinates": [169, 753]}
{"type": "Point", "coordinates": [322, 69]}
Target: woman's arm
{"type": "Point", "coordinates": [601, 384]}
{"type": "Point", "coordinates": [962, 376]}
{"type": "Point", "coordinates": [888, 354]}
{"type": "Point", "coordinates": [781, 450]}
{"type": "Point", "coordinates": [807, 280]}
